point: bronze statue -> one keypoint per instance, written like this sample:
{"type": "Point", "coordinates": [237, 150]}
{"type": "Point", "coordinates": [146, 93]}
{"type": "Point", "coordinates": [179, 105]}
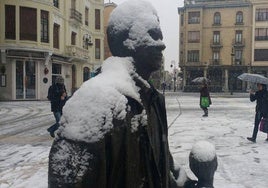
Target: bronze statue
{"type": "Point", "coordinates": [115, 129]}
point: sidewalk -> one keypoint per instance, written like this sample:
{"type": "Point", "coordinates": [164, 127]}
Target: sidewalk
{"type": "Point", "coordinates": [212, 94]}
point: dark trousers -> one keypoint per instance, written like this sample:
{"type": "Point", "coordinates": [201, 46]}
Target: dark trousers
{"type": "Point", "coordinates": [54, 127]}
{"type": "Point", "coordinates": [256, 125]}
{"type": "Point", "coordinates": [205, 109]}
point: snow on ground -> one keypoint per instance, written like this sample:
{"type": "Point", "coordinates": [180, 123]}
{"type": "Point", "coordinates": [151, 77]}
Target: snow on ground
{"type": "Point", "coordinates": [241, 164]}
{"type": "Point", "coordinates": [25, 144]}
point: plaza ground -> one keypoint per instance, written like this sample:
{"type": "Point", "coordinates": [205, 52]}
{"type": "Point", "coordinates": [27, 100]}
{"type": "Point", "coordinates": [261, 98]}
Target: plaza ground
{"type": "Point", "coordinates": [25, 143]}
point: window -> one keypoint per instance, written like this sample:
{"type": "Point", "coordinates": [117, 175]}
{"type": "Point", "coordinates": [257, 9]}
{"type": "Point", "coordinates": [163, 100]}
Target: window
{"type": "Point", "coordinates": [182, 20]}
{"type": "Point", "coordinates": [261, 55]}
{"type": "Point", "coordinates": [181, 39]}
{"type": "Point", "coordinates": [238, 55]}
{"type": "Point", "coordinates": [216, 56]}
{"type": "Point", "coordinates": [193, 36]}
{"type": "Point", "coordinates": [97, 49]}
{"type": "Point", "coordinates": [239, 17]}
{"type": "Point", "coordinates": [261, 14]}
{"type": "Point", "coordinates": [56, 32]}
{"type": "Point", "coordinates": [97, 19]}
{"type": "Point", "coordinates": [73, 38]}
{"type": "Point", "coordinates": [56, 3]}
{"type": "Point", "coordinates": [56, 71]}
{"type": "Point", "coordinates": [216, 37]}
{"type": "Point", "coordinates": [28, 24]}
{"type": "Point", "coordinates": [10, 22]}
{"type": "Point", "coordinates": [193, 56]}
{"type": "Point", "coordinates": [193, 17]}
{"type": "Point", "coordinates": [261, 34]}
{"type": "Point", "coordinates": [44, 26]}
{"type": "Point", "coordinates": [73, 4]}
{"type": "Point", "coordinates": [86, 16]}
{"type": "Point", "coordinates": [217, 18]}
{"type": "Point", "coordinates": [238, 36]}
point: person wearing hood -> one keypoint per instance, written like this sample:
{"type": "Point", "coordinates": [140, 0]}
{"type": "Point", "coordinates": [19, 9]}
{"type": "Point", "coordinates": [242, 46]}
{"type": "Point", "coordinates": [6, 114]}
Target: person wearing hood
{"type": "Point", "coordinates": [57, 96]}
{"type": "Point", "coordinates": [261, 109]}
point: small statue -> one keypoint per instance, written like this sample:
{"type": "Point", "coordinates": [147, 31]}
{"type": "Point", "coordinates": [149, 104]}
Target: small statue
{"type": "Point", "coordinates": [203, 163]}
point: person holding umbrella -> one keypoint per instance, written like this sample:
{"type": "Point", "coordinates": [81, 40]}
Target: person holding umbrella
{"type": "Point", "coordinates": [261, 108]}
{"type": "Point", "coordinates": [205, 99]}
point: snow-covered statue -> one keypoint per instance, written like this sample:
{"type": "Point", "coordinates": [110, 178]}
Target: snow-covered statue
{"type": "Point", "coordinates": [114, 127]}
{"type": "Point", "coordinates": [203, 163]}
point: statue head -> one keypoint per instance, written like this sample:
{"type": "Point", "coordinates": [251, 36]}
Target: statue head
{"type": "Point", "coordinates": [134, 31]}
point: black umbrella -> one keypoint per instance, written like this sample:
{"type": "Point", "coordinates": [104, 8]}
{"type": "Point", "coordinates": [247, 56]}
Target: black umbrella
{"type": "Point", "coordinates": [253, 78]}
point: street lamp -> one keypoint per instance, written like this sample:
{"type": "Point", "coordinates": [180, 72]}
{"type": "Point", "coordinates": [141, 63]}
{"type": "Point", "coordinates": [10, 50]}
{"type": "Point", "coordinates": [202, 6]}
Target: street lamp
{"type": "Point", "coordinates": [173, 64]}
{"type": "Point", "coordinates": [232, 76]}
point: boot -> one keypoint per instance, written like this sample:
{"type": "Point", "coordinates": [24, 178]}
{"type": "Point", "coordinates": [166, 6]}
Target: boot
{"type": "Point", "coordinates": [206, 113]}
{"type": "Point", "coordinates": [52, 129]}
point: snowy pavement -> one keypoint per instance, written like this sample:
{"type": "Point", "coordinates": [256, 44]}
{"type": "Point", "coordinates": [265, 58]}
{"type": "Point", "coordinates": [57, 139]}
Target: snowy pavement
{"type": "Point", "coordinates": [25, 143]}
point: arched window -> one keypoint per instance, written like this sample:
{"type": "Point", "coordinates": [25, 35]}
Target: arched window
{"type": "Point", "coordinates": [239, 17]}
{"type": "Point", "coordinates": [217, 18]}
{"type": "Point", "coordinates": [86, 74]}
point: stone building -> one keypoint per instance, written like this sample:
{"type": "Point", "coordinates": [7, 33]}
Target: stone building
{"type": "Point", "coordinates": [108, 8]}
{"type": "Point", "coordinates": [41, 39]}
{"type": "Point", "coordinates": [259, 57]}
{"type": "Point", "coordinates": [217, 41]}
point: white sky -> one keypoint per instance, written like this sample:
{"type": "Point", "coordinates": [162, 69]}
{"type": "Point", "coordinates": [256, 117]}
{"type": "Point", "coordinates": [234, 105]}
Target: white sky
{"type": "Point", "coordinates": [169, 21]}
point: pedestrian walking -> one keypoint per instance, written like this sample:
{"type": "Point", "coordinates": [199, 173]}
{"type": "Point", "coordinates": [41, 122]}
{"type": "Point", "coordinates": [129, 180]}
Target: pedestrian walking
{"type": "Point", "coordinates": [261, 109]}
{"type": "Point", "coordinates": [164, 87]}
{"type": "Point", "coordinates": [57, 96]}
{"type": "Point", "coordinates": [205, 100]}
{"type": "Point", "coordinates": [119, 137]}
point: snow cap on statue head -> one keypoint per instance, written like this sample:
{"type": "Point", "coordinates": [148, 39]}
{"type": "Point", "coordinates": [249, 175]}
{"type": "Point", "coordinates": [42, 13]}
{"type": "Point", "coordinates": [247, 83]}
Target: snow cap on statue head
{"type": "Point", "coordinates": [128, 27]}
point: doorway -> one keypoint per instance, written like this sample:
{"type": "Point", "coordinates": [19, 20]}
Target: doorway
{"type": "Point", "coordinates": [25, 80]}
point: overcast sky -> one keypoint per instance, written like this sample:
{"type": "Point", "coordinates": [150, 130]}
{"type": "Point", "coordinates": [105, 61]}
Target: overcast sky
{"type": "Point", "coordinates": [169, 21]}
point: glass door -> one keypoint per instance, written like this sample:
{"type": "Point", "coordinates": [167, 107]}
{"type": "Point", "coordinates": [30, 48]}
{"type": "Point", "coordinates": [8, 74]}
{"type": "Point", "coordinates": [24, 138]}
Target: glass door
{"type": "Point", "coordinates": [25, 80]}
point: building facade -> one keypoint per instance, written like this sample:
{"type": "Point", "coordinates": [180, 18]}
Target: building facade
{"type": "Point", "coordinates": [259, 37]}
{"type": "Point", "coordinates": [108, 8]}
{"type": "Point", "coordinates": [216, 41]}
{"type": "Point", "coordinates": [42, 39]}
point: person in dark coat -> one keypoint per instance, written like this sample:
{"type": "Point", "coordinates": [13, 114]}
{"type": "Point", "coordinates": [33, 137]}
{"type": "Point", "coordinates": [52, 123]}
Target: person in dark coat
{"type": "Point", "coordinates": [120, 143]}
{"type": "Point", "coordinates": [57, 95]}
{"type": "Point", "coordinates": [261, 109]}
{"type": "Point", "coordinates": [204, 93]}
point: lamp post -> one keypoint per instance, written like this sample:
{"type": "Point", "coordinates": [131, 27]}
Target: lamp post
{"type": "Point", "coordinates": [232, 76]}
{"type": "Point", "coordinates": [173, 64]}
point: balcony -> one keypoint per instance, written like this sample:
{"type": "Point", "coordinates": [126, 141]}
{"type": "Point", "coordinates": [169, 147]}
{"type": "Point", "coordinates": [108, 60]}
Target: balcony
{"type": "Point", "coordinates": [215, 44]}
{"type": "Point", "coordinates": [238, 43]}
{"type": "Point", "coordinates": [77, 16]}
{"type": "Point", "coordinates": [261, 38]}
{"type": "Point", "coordinates": [215, 62]}
{"type": "Point", "coordinates": [74, 51]}
{"type": "Point", "coordinates": [191, 64]}
{"type": "Point", "coordinates": [238, 62]}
